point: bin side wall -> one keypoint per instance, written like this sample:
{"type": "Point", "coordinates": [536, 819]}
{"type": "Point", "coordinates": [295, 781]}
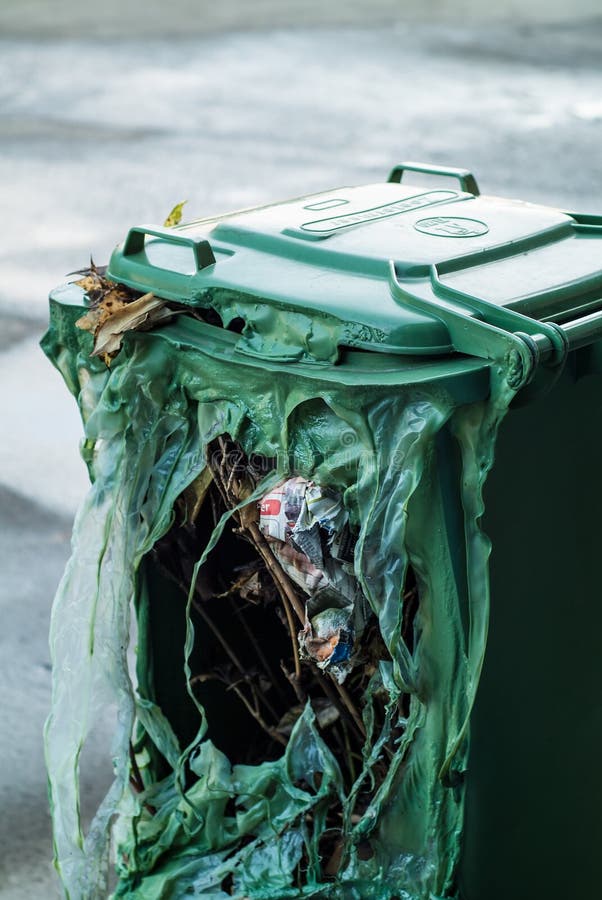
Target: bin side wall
{"type": "Point", "coordinates": [533, 821]}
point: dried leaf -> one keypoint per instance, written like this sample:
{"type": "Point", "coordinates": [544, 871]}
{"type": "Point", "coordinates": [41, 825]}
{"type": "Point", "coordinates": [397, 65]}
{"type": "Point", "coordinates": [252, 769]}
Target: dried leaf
{"type": "Point", "coordinates": [90, 283]}
{"type": "Point", "coordinates": [111, 300]}
{"type": "Point", "coordinates": [252, 591]}
{"type": "Point", "coordinates": [247, 585]}
{"type": "Point", "coordinates": [114, 310]}
{"type": "Point", "coordinates": [175, 216]}
{"type": "Point", "coordinates": [194, 495]}
{"type": "Point", "coordinates": [91, 320]}
{"type": "Point", "coordinates": [145, 312]}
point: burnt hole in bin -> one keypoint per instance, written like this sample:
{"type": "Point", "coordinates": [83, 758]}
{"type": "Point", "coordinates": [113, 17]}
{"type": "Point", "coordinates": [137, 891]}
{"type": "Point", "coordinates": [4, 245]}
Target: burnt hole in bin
{"type": "Point", "coordinates": [211, 316]}
{"type": "Point", "coordinates": [365, 851]}
{"type": "Point", "coordinates": [236, 325]}
{"type": "Point", "coordinates": [330, 851]}
{"type": "Point", "coordinates": [248, 613]}
{"type": "Point", "coordinates": [230, 808]}
{"type": "Point", "coordinates": [228, 884]}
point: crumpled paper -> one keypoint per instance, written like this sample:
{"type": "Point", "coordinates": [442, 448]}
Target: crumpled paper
{"type": "Point", "coordinates": [307, 527]}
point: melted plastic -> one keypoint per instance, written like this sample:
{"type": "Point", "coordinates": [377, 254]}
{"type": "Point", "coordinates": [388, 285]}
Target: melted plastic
{"type": "Point", "coordinates": [147, 422]}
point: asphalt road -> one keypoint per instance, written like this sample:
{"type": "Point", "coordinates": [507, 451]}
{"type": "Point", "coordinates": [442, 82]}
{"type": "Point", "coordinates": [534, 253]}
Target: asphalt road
{"type": "Point", "coordinates": [96, 135]}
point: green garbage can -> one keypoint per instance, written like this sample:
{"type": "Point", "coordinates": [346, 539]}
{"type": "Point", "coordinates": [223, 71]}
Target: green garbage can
{"type": "Point", "coordinates": [291, 414]}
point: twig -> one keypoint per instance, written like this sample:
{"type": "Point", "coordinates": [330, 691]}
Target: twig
{"type": "Point", "coordinates": [213, 508]}
{"type": "Point", "coordinates": [262, 546]}
{"type": "Point", "coordinates": [280, 577]}
{"type": "Point", "coordinates": [350, 706]}
{"type": "Point", "coordinates": [207, 619]}
{"type": "Point", "coordinates": [135, 776]}
{"type": "Point", "coordinates": [282, 582]}
{"type": "Point", "coordinates": [262, 658]}
{"type": "Point", "coordinates": [136, 780]}
{"type": "Point", "coordinates": [348, 753]}
{"type": "Point", "coordinates": [334, 691]}
{"type": "Point", "coordinates": [327, 685]}
{"type": "Point", "coordinates": [294, 642]}
{"type": "Point", "coordinates": [289, 598]}
{"type": "Point", "coordinates": [294, 682]}
{"type": "Point", "coordinates": [257, 715]}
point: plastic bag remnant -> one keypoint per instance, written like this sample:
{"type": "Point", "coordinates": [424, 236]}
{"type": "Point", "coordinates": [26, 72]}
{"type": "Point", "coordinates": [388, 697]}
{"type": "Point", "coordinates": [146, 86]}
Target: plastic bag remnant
{"type": "Point", "coordinates": [308, 529]}
{"type": "Point", "coordinates": [197, 823]}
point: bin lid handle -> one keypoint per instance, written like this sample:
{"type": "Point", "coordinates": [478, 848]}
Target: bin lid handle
{"type": "Point", "coordinates": [201, 248]}
{"type": "Point", "coordinates": [467, 180]}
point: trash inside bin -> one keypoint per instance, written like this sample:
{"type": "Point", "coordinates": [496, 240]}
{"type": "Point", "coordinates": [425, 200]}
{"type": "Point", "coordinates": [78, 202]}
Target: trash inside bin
{"type": "Point", "coordinates": [290, 414]}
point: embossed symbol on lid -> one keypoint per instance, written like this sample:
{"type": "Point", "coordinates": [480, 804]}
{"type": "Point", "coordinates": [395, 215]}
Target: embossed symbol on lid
{"type": "Point", "coordinates": [451, 226]}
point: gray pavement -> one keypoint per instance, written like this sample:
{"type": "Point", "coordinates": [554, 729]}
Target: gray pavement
{"type": "Point", "coordinates": [185, 18]}
{"type": "Point", "coordinates": [111, 126]}
{"type": "Point", "coordinates": [34, 544]}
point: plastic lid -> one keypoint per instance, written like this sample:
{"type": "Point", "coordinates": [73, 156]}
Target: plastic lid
{"type": "Point", "coordinates": [327, 256]}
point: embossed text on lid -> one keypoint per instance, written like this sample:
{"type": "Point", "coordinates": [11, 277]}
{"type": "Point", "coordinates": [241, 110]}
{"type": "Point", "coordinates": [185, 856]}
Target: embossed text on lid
{"type": "Point", "coordinates": [376, 213]}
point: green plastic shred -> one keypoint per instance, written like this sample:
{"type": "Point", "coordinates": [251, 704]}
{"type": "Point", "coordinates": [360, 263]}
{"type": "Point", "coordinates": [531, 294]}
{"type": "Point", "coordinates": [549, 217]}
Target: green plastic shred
{"type": "Point", "coordinates": [148, 420]}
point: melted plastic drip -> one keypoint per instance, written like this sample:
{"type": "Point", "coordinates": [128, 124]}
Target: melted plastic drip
{"type": "Point", "coordinates": [210, 826]}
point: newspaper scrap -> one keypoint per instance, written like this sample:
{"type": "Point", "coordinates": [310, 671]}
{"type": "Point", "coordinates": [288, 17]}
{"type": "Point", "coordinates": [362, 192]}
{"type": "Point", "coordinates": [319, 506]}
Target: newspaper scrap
{"type": "Point", "coordinates": [308, 530]}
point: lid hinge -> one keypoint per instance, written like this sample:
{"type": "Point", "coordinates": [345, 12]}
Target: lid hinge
{"type": "Point", "coordinates": [525, 347]}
